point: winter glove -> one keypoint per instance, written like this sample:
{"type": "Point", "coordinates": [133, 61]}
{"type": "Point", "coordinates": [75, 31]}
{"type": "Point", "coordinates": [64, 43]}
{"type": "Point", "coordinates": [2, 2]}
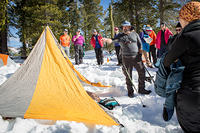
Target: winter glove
{"type": "Point", "coordinates": [167, 113]}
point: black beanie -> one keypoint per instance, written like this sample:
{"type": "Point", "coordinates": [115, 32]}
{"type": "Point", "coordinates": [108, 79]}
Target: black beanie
{"type": "Point", "coordinates": [178, 25]}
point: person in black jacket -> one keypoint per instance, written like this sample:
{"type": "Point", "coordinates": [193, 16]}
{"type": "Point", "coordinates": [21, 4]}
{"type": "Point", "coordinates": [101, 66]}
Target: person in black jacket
{"type": "Point", "coordinates": [172, 38]}
{"type": "Point", "coordinates": [186, 47]}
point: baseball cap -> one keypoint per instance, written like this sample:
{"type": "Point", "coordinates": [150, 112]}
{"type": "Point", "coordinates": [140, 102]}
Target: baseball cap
{"type": "Point", "coordinates": [94, 30]}
{"type": "Point", "coordinates": [65, 30]}
{"type": "Point", "coordinates": [126, 23]}
{"type": "Point", "coordinates": [148, 29]}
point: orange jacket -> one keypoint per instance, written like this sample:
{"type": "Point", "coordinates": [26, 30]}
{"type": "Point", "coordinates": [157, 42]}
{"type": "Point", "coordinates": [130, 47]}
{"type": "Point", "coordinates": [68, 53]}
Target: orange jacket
{"type": "Point", "coordinates": [65, 40]}
{"type": "Point", "coordinates": [153, 36]}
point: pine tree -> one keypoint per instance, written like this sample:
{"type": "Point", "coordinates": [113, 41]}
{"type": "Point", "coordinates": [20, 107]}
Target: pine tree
{"type": "Point", "coordinates": [91, 13]}
{"type": "Point", "coordinates": [74, 17]}
{"type": "Point", "coordinates": [138, 12]}
{"type": "Point", "coordinates": [33, 16]}
{"type": "Point", "coordinates": [168, 10]}
{"type": "Point", "coordinates": [111, 19]}
{"type": "Point", "coordinates": [3, 26]}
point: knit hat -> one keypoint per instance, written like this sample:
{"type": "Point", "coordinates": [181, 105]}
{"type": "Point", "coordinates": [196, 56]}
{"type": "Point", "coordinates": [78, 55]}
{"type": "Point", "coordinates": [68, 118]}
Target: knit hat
{"type": "Point", "coordinates": [116, 28]}
{"type": "Point", "coordinates": [190, 11]}
{"type": "Point", "coordinates": [163, 24]}
{"type": "Point", "coordinates": [178, 25]}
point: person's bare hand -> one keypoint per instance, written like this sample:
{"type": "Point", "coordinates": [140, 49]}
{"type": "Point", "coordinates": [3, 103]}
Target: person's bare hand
{"type": "Point", "coordinates": [140, 51]}
{"type": "Point", "coordinates": [104, 39]}
{"type": "Point", "coordinates": [107, 40]}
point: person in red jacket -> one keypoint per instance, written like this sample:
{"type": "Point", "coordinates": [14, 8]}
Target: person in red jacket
{"type": "Point", "coordinates": [97, 43]}
{"type": "Point", "coordinates": [162, 39]}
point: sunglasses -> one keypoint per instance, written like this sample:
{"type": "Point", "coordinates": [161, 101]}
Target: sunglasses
{"type": "Point", "coordinates": [178, 29]}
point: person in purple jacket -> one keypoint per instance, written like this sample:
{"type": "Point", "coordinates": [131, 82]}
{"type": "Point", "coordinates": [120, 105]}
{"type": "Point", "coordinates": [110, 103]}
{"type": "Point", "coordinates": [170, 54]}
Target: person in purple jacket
{"type": "Point", "coordinates": [78, 41]}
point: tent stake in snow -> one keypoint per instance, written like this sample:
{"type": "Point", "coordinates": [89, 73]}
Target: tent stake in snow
{"type": "Point", "coordinates": [132, 83]}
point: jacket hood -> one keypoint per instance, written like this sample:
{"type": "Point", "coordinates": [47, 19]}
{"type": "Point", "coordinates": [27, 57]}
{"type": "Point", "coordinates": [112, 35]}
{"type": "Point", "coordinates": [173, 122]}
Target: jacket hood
{"type": "Point", "coordinates": [192, 26]}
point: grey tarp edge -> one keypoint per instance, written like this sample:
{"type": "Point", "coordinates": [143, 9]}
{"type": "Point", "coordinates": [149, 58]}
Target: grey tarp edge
{"type": "Point", "coordinates": [16, 93]}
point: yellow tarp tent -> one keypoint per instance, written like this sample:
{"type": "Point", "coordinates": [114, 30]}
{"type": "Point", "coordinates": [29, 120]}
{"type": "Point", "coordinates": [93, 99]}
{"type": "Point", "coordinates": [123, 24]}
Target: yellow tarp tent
{"type": "Point", "coordinates": [45, 87]}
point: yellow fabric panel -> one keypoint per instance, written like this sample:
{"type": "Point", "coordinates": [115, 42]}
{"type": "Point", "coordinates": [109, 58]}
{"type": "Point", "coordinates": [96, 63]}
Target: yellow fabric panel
{"type": "Point", "coordinates": [59, 95]}
{"type": "Point", "coordinates": [98, 84]}
{"type": "Point", "coordinates": [4, 58]}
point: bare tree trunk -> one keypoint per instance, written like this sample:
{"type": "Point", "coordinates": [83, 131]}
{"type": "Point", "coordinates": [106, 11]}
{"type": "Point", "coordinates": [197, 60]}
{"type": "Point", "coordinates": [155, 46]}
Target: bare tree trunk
{"type": "Point", "coordinates": [3, 42]}
{"type": "Point", "coordinates": [3, 37]}
{"type": "Point", "coordinates": [111, 20]}
{"type": "Point", "coordinates": [161, 8]}
{"type": "Point", "coordinates": [23, 56]}
{"type": "Point", "coordinates": [24, 52]}
{"type": "Point", "coordinates": [109, 47]}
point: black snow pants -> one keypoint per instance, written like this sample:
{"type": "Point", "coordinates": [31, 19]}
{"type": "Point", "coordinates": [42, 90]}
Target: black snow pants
{"type": "Point", "coordinates": [152, 54]}
{"type": "Point", "coordinates": [78, 54]}
{"type": "Point", "coordinates": [134, 61]}
{"type": "Point", "coordinates": [119, 56]}
{"type": "Point", "coordinates": [99, 55]}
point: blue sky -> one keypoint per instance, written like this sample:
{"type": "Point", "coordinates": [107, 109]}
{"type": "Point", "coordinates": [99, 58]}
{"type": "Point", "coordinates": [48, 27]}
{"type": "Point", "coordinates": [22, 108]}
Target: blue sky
{"type": "Point", "coordinates": [14, 42]}
{"type": "Point", "coordinates": [105, 3]}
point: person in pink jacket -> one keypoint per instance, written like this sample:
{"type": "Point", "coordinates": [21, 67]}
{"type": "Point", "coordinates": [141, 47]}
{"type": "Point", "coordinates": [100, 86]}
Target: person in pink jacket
{"type": "Point", "coordinates": [78, 41]}
{"type": "Point", "coordinates": [162, 39]}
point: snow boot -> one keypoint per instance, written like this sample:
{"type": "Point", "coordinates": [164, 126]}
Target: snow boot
{"type": "Point", "coordinates": [119, 64]}
{"type": "Point", "coordinates": [143, 91]}
{"type": "Point", "coordinates": [130, 92]}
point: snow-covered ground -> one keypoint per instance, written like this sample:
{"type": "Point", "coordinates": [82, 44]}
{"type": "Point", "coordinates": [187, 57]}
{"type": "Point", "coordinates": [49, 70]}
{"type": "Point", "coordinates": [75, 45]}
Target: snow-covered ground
{"type": "Point", "coordinates": [134, 117]}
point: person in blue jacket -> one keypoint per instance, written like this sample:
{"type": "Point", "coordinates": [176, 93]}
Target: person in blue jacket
{"type": "Point", "coordinates": [117, 48]}
{"type": "Point", "coordinates": [145, 46]}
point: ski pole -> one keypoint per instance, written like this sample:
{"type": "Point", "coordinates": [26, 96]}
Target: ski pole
{"type": "Point", "coordinates": [132, 84]}
{"type": "Point", "coordinates": [149, 74]}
